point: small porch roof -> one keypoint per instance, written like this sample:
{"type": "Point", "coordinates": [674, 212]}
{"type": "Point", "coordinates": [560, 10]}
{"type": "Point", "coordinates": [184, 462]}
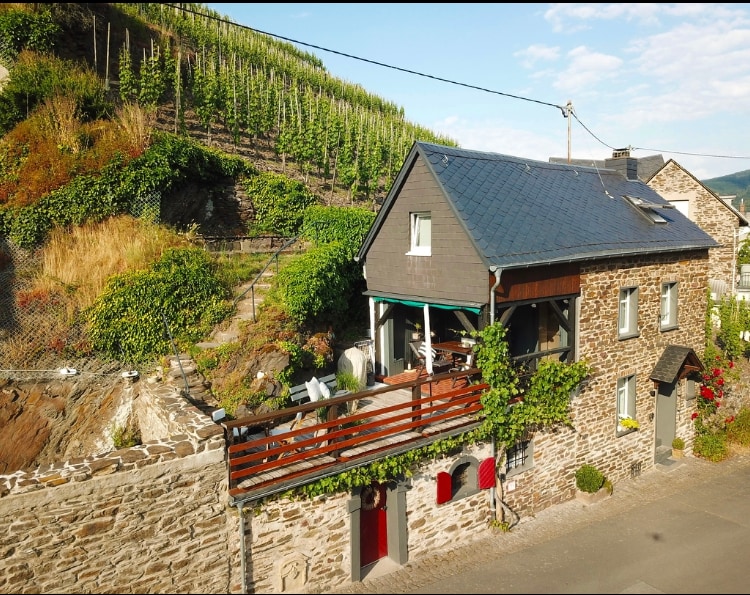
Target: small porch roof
{"type": "Point", "coordinates": [677, 361]}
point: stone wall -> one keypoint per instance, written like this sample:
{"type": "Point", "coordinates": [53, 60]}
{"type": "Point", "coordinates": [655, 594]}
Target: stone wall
{"type": "Point", "coordinates": [707, 211]}
{"type": "Point", "coordinates": [156, 517]}
{"type": "Point", "coordinates": [309, 545]}
{"type": "Point", "coordinates": [148, 519]}
{"type": "Point", "coordinates": [594, 411]}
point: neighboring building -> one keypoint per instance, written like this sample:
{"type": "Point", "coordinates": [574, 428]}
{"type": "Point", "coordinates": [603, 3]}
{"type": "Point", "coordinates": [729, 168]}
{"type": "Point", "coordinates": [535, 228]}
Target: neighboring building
{"type": "Point", "coordinates": [578, 263]}
{"type": "Point", "coordinates": [715, 216]}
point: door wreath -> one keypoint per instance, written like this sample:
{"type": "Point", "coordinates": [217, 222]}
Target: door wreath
{"type": "Point", "coordinates": [370, 497]}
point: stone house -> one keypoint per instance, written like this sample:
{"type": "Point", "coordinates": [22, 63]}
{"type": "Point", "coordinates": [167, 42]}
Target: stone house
{"type": "Point", "coordinates": [578, 263]}
{"type": "Point", "coordinates": [715, 216]}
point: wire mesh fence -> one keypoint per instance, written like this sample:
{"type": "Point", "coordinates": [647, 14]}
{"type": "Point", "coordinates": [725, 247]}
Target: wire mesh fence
{"type": "Point", "coordinates": [41, 329]}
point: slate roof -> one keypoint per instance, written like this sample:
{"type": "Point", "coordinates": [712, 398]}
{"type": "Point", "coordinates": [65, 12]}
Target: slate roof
{"type": "Point", "coordinates": [520, 212]}
{"type": "Point", "coordinates": [671, 362]}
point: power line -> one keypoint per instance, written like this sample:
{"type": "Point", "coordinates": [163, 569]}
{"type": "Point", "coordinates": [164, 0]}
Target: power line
{"type": "Point", "coordinates": [563, 109]}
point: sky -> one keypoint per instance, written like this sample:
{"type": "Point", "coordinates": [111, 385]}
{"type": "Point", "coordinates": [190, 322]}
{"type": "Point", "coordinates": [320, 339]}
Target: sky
{"type": "Point", "coordinates": [669, 79]}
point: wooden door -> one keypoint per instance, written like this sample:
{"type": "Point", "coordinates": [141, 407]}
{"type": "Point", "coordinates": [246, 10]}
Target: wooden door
{"type": "Point", "coordinates": [373, 526]}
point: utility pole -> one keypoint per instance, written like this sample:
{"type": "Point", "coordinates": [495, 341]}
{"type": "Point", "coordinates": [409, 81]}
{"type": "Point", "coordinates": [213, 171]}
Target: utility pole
{"type": "Point", "coordinates": [568, 111]}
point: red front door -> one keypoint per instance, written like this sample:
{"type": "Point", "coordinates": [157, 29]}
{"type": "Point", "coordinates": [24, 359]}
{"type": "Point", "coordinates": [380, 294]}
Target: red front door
{"type": "Point", "coordinates": [372, 524]}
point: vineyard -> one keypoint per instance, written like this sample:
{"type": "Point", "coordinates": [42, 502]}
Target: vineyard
{"type": "Point", "coordinates": [254, 87]}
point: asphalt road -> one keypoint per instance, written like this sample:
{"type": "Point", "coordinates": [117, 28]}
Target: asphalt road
{"type": "Point", "coordinates": [684, 528]}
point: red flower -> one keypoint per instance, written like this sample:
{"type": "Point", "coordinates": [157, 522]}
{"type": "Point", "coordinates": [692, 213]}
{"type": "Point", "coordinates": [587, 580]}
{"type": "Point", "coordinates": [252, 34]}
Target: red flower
{"type": "Point", "coordinates": [695, 414]}
{"type": "Point", "coordinates": [730, 419]}
{"type": "Point", "coordinates": [731, 364]}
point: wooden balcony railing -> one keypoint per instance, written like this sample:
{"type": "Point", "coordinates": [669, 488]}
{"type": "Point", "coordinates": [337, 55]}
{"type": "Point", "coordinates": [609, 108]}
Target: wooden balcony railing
{"type": "Point", "coordinates": [359, 428]}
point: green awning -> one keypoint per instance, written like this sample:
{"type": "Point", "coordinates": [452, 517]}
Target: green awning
{"type": "Point", "coordinates": [414, 304]}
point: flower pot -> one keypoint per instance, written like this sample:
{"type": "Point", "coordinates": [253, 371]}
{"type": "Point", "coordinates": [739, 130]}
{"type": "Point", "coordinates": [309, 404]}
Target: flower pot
{"type": "Point", "coordinates": [593, 498]}
{"type": "Point", "coordinates": [678, 453]}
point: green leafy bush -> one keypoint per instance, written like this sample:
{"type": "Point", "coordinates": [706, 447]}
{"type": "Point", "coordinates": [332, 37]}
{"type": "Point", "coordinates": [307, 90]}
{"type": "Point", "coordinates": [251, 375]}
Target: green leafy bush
{"type": "Point", "coordinates": [738, 432]}
{"type": "Point", "coordinates": [127, 320]}
{"type": "Point", "coordinates": [678, 443]}
{"type": "Point", "coordinates": [319, 285]}
{"type": "Point", "coordinates": [279, 203]}
{"type": "Point", "coordinates": [712, 447]}
{"type": "Point", "coordinates": [349, 225]}
{"type": "Point", "coordinates": [589, 479]}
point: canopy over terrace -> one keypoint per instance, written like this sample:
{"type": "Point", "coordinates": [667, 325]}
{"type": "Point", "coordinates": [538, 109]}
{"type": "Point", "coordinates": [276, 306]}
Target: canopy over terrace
{"type": "Point", "coordinates": [391, 317]}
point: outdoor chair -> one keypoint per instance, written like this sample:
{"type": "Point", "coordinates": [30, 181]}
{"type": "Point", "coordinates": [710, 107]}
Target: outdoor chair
{"type": "Point", "coordinates": [419, 349]}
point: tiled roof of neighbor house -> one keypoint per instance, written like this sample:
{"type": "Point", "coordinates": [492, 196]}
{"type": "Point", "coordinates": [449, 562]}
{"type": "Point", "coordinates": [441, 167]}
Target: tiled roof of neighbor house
{"type": "Point", "coordinates": [520, 212]}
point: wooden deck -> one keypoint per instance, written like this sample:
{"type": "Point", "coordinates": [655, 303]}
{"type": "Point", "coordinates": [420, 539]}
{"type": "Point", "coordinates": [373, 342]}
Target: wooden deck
{"type": "Point", "coordinates": [386, 420]}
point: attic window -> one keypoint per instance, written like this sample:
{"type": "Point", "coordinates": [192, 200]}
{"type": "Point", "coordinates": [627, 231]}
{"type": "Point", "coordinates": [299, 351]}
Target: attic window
{"type": "Point", "coordinates": [649, 209]}
{"type": "Point", "coordinates": [421, 234]}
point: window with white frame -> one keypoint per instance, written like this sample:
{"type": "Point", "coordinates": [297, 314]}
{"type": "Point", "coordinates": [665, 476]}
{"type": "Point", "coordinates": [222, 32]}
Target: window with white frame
{"type": "Point", "coordinates": [421, 234]}
{"type": "Point", "coordinates": [625, 401]}
{"type": "Point", "coordinates": [628, 312]}
{"type": "Point", "coordinates": [668, 305]}
{"type": "Point", "coordinates": [519, 458]}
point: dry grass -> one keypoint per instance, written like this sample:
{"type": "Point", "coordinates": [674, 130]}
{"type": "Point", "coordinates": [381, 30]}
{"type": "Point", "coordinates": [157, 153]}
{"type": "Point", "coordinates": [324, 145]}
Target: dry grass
{"type": "Point", "coordinates": [80, 260]}
{"type": "Point", "coordinates": [136, 124]}
{"type": "Point", "coordinates": [58, 120]}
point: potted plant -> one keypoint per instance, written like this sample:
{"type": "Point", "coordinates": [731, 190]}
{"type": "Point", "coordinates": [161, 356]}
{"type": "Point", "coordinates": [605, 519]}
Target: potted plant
{"type": "Point", "coordinates": [678, 448]}
{"type": "Point", "coordinates": [417, 334]}
{"type": "Point", "coordinates": [592, 485]}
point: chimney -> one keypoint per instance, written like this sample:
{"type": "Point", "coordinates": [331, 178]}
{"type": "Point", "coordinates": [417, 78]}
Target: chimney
{"type": "Point", "coordinates": [622, 162]}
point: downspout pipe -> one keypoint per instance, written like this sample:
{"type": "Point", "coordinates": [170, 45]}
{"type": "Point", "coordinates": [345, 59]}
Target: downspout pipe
{"type": "Point", "coordinates": [243, 563]}
{"type": "Point", "coordinates": [497, 272]}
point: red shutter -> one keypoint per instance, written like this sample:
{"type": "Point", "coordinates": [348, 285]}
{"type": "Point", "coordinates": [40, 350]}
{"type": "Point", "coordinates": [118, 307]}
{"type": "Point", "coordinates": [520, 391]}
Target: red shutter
{"type": "Point", "coordinates": [444, 487]}
{"type": "Point", "coordinates": [486, 474]}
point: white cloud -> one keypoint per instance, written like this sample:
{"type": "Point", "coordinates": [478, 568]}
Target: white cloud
{"type": "Point", "coordinates": [586, 69]}
{"type": "Point", "coordinates": [534, 53]}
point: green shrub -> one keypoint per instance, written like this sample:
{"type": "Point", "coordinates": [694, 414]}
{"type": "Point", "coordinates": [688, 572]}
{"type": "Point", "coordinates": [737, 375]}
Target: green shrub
{"type": "Point", "coordinates": [678, 444]}
{"type": "Point", "coordinates": [127, 319]}
{"type": "Point", "coordinates": [319, 285]}
{"type": "Point", "coordinates": [589, 479]}
{"type": "Point", "coordinates": [738, 432]}
{"type": "Point", "coordinates": [323, 225]}
{"type": "Point", "coordinates": [126, 437]}
{"type": "Point", "coordinates": [279, 203]}
{"type": "Point", "coordinates": [712, 447]}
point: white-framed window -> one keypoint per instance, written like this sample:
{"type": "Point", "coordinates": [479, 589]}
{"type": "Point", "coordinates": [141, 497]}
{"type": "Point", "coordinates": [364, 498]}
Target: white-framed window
{"type": "Point", "coordinates": [668, 305]}
{"type": "Point", "coordinates": [519, 458]}
{"type": "Point", "coordinates": [625, 401]}
{"type": "Point", "coordinates": [628, 312]}
{"type": "Point", "coordinates": [421, 234]}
